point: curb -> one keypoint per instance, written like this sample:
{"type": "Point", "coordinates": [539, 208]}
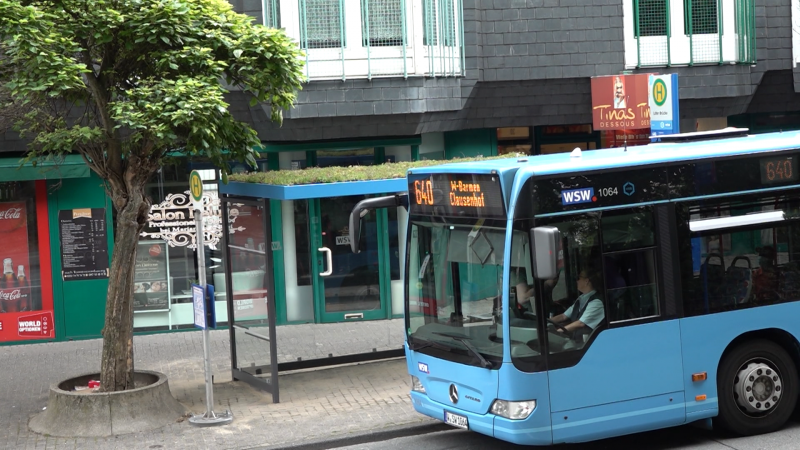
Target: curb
{"type": "Point", "coordinates": [375, 435]}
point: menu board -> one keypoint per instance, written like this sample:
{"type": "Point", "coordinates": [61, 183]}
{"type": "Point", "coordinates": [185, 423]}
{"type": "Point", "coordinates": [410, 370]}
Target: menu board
{"type": "Point", "coordinates": [150, 286]}
{"type": "Point", "coordinates": [84, 244]}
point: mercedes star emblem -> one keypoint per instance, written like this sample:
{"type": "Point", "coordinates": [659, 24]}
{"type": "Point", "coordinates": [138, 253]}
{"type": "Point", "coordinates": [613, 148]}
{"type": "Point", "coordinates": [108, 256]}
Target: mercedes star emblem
{"type": "Point", "coordinates": [453, 393]}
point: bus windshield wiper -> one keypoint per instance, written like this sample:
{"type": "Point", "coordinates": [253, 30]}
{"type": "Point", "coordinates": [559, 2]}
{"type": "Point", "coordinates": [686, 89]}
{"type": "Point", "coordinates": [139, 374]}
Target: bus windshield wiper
{"type": "Point", "coordinates": [466, 341]}
{"type": "Point", "coordinates": [426, 344]}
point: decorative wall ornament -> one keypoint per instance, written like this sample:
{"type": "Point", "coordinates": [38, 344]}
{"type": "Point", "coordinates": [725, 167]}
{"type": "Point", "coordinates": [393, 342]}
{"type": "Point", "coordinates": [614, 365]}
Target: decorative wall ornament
{"type": "Point", "coordinates": [173, 221]}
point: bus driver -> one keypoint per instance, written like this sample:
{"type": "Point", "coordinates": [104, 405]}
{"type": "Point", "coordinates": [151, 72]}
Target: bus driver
{"type": "Point", "coordinates": [588, 312]}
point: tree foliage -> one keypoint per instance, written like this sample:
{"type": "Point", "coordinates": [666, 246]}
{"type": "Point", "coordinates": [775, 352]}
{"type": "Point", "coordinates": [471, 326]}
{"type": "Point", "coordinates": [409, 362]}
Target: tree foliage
{"type": "Point", "coordinates": [115, 79]}
{"type": "Point", "coordinates": [124, 83]}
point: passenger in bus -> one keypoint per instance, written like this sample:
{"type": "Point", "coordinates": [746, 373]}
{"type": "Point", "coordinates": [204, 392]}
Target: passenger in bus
{"type": "Point", "coordinates": [588, 311]}
{"type": "Point", "coordinates": [766, 277]}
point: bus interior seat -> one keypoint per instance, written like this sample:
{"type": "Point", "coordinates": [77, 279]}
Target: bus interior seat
{"type": "Point", "coordinates": [711, 276]}
{"type": "Point", "coordinates": [738, 283]}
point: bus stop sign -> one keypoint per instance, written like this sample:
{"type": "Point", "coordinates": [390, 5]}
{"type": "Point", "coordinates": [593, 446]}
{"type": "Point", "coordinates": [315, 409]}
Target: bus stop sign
{"type": "Point", "coordinates": [196, 188]}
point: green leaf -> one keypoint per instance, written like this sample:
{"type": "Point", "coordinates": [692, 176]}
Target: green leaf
{"type": "Point", "coordinates": [237, 53]}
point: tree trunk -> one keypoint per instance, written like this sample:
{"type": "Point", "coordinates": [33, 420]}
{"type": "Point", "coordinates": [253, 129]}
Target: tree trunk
{"type": "Point", "coordinates": [116, 372]}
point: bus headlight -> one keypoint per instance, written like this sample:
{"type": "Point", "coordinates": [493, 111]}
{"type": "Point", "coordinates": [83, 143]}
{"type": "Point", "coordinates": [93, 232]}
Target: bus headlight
{"type": "Point", "coordinates": [416, 385]}
{"type": "Point", "coordinates": [513, 410]}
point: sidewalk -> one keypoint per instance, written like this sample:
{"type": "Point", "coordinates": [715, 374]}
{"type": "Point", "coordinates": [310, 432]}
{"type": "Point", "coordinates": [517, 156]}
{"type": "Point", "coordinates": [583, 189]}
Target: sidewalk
{"type": "Point", "coordinates": [325, 404]}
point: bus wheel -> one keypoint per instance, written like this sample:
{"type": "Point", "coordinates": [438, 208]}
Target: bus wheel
{"type": "Point", "coordinates": [757, 388]}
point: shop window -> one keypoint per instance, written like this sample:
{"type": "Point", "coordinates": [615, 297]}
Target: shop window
{"type": "Point", "coordinates": [565, 138]}
{"type": "Point", "coordinates": [345, 158]}
{"type": "Point", "coordinates": [514, 140]}
{"type": "Point", "coordinates": [20, 285]}
{"type": "Point", "coordinates": [167, 262]}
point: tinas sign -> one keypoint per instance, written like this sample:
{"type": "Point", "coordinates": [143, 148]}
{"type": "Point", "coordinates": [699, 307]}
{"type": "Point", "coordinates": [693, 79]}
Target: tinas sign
{"type": "Point", "coordinates": [173, 221]}
{"type": "Point", "coordinates": [619, 102]}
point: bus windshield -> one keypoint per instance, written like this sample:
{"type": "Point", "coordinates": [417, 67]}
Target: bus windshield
{"type": "Point", "coordinates": [455, 276]}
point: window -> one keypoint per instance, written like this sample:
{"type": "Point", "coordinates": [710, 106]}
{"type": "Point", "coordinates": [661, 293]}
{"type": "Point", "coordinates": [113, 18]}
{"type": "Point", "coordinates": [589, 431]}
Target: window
{"type": "Point", "coordinates": [577, 293]}
{"type": "Point", "coordinates": [740, 255]}
{"type": "Point", "coordinates": [321, 24]}
{"type": "Point", "coordinates": [20, 289]}
{"type": "Point", "coordinates": [382, 23]}
{"type": "Point", "coordinates": [455, 272]}
{"type": "Point", "coordinates": [608, 275]}
{"type": "Point", "coordinates": [650, 18]}
{"type": "Point", "coordinates": [700, 17]}
{"type": "Point", "coordinates": [438, 18]}
{"type": "Point", "coordinates": [272, 13]}
{"type": "Point", "coordinates": [629, 265]}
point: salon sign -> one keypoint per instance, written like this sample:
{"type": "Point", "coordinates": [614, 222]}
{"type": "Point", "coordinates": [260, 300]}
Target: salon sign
{"type": "Point", "coordinates": [173, 221]}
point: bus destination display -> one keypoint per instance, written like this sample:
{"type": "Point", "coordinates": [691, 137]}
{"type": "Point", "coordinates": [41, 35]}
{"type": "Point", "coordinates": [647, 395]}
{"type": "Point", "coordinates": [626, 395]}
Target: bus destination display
{"type": "Point", "coordinates": [456, 194]}
{"type": "Point", "coordinates": [778, 170]}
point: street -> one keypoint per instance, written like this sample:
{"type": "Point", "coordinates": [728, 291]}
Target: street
{"type": "Point", "coordinates": [686, 437]}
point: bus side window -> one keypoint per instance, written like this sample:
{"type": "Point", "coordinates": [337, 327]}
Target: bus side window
{"type": "Point", "coordinates": [629, 265]}
{"type": "Point", "coordinates": [735, 268]}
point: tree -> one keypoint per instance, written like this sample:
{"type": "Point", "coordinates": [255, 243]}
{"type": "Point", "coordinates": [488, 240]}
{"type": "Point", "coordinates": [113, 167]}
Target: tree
{"type": "Point", "coordinates": [125, 82]}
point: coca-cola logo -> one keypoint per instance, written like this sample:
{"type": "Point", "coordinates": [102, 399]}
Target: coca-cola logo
{"type": "Point", "coordinates": [12, 216]}
{"type": "Point", "coordinates": [11, 213]}
{"type": "Point", "coordinates": [16, 294]}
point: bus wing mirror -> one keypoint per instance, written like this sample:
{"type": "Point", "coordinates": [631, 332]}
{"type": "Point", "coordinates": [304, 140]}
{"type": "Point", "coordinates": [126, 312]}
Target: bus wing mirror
{"type": "Point", "coordinates": [546, 250]}
{"type": "Point", "coordinates": [363, 208]}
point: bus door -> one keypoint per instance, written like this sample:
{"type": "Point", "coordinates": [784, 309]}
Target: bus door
{"type": "Point", "coordinates": [620, 366]}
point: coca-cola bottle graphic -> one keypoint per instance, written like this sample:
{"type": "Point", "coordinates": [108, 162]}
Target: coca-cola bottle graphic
{"type": "Point", "coordinates": [9, 294]}
{"type": "Point", "coordinates": [24, 290]}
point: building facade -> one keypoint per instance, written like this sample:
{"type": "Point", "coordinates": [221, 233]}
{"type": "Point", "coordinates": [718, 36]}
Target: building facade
{"type": "Point", "coordinates": [393, 80]}
{"type": "Point", "coordinates": [525, 63]}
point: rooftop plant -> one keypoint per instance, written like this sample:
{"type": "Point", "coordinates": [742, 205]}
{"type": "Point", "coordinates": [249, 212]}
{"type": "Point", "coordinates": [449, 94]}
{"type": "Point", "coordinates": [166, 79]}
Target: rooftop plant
{"type": "Point", "coordinates": [315, 175]}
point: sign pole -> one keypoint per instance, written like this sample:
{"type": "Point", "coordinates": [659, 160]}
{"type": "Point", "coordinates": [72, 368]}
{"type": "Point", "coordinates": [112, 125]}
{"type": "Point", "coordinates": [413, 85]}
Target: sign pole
{"type": "Point", "coordinates": [209, 418]}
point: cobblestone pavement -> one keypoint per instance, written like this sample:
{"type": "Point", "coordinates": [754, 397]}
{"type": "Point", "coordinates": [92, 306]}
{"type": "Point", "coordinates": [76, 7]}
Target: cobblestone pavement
{"type": "Point", "coordinates": [325, 403]}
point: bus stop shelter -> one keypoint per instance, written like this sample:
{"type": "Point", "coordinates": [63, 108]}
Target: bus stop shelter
{"type": "Point", "coordinates": [288, 262]}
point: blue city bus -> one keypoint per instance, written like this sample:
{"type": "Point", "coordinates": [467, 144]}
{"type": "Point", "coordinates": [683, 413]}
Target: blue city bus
{"type": "Point", "coordinates": [572, 297]}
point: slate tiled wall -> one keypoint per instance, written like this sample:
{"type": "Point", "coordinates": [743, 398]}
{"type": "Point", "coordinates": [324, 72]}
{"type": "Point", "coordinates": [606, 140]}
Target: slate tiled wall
{"type": "Point", "coordinates": [528, 62]}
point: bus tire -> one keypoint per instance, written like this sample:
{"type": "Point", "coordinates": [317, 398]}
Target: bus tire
{"type": "Point", "coordinates": [757, 388]}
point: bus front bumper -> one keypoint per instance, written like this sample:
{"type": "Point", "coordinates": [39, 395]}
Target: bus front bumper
{"type": "Point", "coordinates": [529, 431]}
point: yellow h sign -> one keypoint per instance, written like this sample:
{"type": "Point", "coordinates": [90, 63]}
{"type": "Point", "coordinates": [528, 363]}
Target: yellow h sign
{"type": "Point", "coordinates": [659, 92]}
{"type": "Point", "coordinates": [196, 186]}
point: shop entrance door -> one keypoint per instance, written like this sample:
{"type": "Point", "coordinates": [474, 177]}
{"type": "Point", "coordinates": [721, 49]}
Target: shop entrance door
{"type": "Point", "coordinates": [348, 286]}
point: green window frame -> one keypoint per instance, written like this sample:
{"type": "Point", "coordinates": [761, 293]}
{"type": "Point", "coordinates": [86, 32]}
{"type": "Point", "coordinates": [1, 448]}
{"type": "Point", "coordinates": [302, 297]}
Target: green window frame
{"type": "Point", "coordinates": [438, 18]}
{"type": "Point", "coordinates": [650, 18]}
{"type": "Point", "coordinates": [272, 13]}
{"type": "Point", "coordinates": [321, 24]}
{"type": "Point", "coordinates": [700, 17]}
{"type": "Point", "coordinates": [382, 23]}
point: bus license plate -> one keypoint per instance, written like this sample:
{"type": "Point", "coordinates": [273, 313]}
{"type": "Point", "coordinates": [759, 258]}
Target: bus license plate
{"type": "Point", "coordinates": [456, 420]}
